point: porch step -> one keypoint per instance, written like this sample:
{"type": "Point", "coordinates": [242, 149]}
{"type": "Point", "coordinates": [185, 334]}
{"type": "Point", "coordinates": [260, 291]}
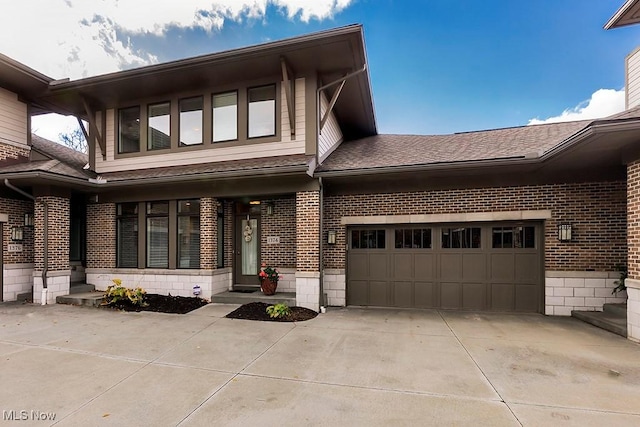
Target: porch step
{"type": "Point", "coordinates": [81, 288]}
{"type": "Point", "coordinates": [612, 319]}
{"type": "Point", "coordinates": [25, 297]}
{"type": "Point", "coordinates": [90, 299]}
{"type": "Point", "coordinates": [245, 297]}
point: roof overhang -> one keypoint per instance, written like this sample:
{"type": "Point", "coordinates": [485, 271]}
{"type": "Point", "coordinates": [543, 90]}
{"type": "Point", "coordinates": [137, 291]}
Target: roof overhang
{"type": "Point", "coordinates": [628, 14]}
{"type": "Point", "coordinates": [327, 54]}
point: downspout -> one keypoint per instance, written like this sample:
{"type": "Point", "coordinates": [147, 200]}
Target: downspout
{"type": "Point", "coordinates": [45, 291]}
{"type": "Point", "coordinates": [320, 264]}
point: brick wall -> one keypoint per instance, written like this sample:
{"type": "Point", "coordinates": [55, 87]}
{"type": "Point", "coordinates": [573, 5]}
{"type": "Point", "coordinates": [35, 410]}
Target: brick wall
{"type": "Point", "coordinates": [307, 230]}
{"type": "Point", "coordinates": [280, 224]}
{"type": "Point", "coordinates": [597, 212]}
{"type": "Point", "coordinates": [12, 152]}
{"type": "Point", "coordinates": [633, 218]}
{"type": "Point", "coordinates": [101, 235]}
{"type": "Point", "coordinates": [58, 242]}
{"type": "Point", "coordinates": [16, 209]}
{"type": "Point", "coordinates": [228, 234]}
{"type": "Point", "coordinates": [208, 233]}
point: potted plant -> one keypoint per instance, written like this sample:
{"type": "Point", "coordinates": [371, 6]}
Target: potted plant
{"type": "Point", "coordinates": [269, 277]}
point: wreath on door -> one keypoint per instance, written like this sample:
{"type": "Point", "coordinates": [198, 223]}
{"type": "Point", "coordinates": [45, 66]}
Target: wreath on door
{"type": "Point", "coordinates": [248, 233]}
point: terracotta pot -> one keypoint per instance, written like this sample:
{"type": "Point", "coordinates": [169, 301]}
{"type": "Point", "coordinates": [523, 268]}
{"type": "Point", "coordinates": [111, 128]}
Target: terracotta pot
{"type": "Point", "coordinates": [268, 287]}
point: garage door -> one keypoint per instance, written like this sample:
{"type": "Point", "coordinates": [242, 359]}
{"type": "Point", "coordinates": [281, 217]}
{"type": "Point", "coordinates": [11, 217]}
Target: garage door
{"type": "Point", "coordinates": [487, 267]}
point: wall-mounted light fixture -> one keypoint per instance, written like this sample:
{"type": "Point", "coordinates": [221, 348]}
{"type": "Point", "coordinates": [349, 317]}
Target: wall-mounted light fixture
{"type": "Point", "coordinates": [17, 234]}
{"type": "Point", "coordinates": [269, 208]}
{"type": "Point", "coordinates": [28, 219]}
{"type": "Point", "coordinates": [564, 232]}
{"type": "Point", "coordinates": [331, 237]}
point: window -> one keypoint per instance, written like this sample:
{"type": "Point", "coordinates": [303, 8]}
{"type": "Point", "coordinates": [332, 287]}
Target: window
{"type": "Point", "coordinates": [127, 235]}
{"type": "Point", "coordinates": [220, 236]}
{"type": "Point", "coordinates": [159, 129]}
{"type": "Point", "coordinates": [157, 235]}
{"type": "Point", "coordinates": [417, 238]}
{"type": "Point", "coordinates": [514, 237]}
{"type": "Point", "coordinates": [129, 130]}
{"type": "Point", "coordinates": [461, 238]}
{"type": "Point", "coordinates": [191, 118]}
{"type": "Point", "coordinates": [225, 116]}
{"type": "Point", "coordinates": [367, 239]}
{"type": "Point", "coordinates": [262, 111]}
{"type": "Point", "coordinates": [188, 234]}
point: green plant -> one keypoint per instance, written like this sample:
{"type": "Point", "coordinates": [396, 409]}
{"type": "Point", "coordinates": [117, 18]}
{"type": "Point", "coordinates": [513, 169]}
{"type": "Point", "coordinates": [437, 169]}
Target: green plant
{"type": "Point", "coordinates": [269, 273]}
{"type": "Point", "coordinates": [278, 310]}
{"type": "Point", "coordinates": [117, 294]}
{"type": "Point", "coordinates": [620, 285]}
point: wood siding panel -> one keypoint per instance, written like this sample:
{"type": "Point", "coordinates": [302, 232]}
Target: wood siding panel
{"type": "Point", "coordinates": [633, 79]}
{"type": "Point", "coordinates": [13, 118]}
{"type": "Point", "coordinates": [212, 153]}
{"type": "Point", "coordinates": [331, 134]}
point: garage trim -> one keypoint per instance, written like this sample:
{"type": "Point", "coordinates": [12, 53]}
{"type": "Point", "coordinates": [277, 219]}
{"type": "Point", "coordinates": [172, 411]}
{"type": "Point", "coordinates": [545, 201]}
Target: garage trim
{"type": "Point", "coordinates": [440, 218]}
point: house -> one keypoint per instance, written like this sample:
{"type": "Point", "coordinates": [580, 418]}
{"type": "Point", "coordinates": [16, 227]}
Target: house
{"type": "Point", "coordinates": [199, 170]}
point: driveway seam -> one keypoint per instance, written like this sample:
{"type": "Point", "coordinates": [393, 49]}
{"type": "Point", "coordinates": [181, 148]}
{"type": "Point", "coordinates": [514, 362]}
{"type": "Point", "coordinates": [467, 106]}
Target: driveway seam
{"type": "Point", "coordinates": [480, 369]}
{"type": "Point", "coordinates": [573, 408]}
{"type": "Point", "coordinates": [236, 375]}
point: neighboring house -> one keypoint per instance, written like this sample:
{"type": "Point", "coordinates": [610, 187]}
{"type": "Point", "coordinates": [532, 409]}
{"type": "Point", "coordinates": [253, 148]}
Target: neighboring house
{"type": "Point", "coordinates": [201, 169]}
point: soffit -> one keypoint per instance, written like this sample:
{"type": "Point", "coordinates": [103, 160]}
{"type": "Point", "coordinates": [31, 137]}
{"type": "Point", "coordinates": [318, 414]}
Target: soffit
{"type": "Point", "coordinates": [628, 14]}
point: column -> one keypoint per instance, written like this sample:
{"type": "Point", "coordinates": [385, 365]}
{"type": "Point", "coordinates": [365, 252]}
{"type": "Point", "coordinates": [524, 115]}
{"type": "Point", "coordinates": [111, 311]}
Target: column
{"type": "Point", "coordinates": [308, 249]}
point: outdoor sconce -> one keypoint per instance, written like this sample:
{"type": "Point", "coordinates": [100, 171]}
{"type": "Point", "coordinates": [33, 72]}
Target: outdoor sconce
{"type": "Point", "coordinates": [17, 234]}
{"type": "Point", "coordinates": [564, 232]}
{"type": "Point", "coordinates": [269, 209]}
{"type": "Point", "coordinates": [331, 237]}
{"type": "Point", "coordinates": [28, 219]}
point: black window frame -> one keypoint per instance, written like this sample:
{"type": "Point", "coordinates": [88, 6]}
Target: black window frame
{"type": "Point", "coordinates": [147, 242]}
{"type": "Point", "coordinates": [275, 111]}
{"type": "Point", "coordinates": [187, 215]}
{"type": "Point", "coordinates": [120, 130]}
{"type": "Point", "coordinates": [136, 223]}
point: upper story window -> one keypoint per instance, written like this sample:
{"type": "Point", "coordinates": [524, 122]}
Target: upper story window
{"type": "Point", "coordinates": [129, 130]}
{"type": "Point", "coordinates": [262, 111]}
{"type": "Point", "coordinates": [159, 129]}
{"type": "Point", "coordinates": [191, 121]}
{"type": "Point", "coordinates": [225, 116]}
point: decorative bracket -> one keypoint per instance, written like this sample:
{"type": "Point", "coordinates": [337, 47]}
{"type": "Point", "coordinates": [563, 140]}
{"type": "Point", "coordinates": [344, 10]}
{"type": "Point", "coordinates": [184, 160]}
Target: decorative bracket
{"type": "Point", "coordinates": [288, 81]}
{"type": "Point", "coordinates": [334, 98]}
{"type": "Point", "coordinates": [94, 129]}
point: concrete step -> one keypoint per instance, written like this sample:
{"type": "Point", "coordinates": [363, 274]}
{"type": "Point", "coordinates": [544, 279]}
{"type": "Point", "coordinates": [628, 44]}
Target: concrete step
{"type": "Point", "coordinates": [616, 309]}
{"type": "Point", "coordinates": [81, 288]}
{"type": "Point", "coordinates": [91, 299]}
{"type": "Point", "coordinates": [607, 321]}
{"type": "Point", "coordinates": [245, 297]}
{"type": "Point", "coordinates": [25, 297]}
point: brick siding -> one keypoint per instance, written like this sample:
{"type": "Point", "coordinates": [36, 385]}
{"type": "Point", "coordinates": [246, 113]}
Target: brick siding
{"type": "Point", "coordinates": [597, 212]}
{"type": "Point", "coordinates": [307, 230]}
{"type": "Point", "coordinates": [12, 152]}
{"type": "Point", "coordinates": [58, 241]}
{"type": "Point", "coordinates": [280, 224]}
{"type": "Point", "coordinates": [16, 209]}
{"type": "Point", "coordinates": [228, 234]}
{"type": "Point", "coordinates": [208, 233]}
{"type": "Point", "coordinates": [633, 218]}
{"type": "Point", "coordinates": [101, 235]}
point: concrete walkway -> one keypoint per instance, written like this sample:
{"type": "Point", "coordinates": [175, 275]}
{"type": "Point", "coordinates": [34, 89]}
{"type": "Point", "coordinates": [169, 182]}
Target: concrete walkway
{"type": "Point", "coordinates": [347, 367]}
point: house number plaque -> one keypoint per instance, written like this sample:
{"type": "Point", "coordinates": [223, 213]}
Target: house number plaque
{"type": "Point", "coordinates": [273, 240]}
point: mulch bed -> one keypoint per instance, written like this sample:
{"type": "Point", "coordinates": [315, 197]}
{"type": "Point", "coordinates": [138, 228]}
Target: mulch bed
{"type": "Point", "coordinates": [258, 311]}
{"type": "Point", "coordinates": [164, 304]}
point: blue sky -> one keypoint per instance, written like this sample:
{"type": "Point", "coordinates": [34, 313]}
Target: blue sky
{"type": "Point", "coordinates": [437, 66]}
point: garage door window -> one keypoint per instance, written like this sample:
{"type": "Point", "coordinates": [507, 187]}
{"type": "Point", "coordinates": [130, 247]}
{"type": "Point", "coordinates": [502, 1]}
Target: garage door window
{"type": "Point", "coordinates": [413, 238]}
{"type": "Point", "coordinates": [513, 237]}
{"type": "Point", "coordinates": [461, 238]}
{"type": "Point", "coordinates": [367, 239]}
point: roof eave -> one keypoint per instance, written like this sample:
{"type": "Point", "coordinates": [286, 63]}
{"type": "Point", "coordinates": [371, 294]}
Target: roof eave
{"type": "Point", "coordinates": [614, 21]}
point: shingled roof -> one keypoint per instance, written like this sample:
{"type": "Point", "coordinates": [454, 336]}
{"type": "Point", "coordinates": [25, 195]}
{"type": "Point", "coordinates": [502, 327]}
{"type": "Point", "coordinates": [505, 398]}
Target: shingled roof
{"type": "Point", "coordinates": [383, 151]}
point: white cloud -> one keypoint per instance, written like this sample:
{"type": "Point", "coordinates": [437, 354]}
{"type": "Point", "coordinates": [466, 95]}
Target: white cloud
{"type": "Point", "coordinates": [79, 38]}
{"type": "Point", "coordinates": [603, 103]}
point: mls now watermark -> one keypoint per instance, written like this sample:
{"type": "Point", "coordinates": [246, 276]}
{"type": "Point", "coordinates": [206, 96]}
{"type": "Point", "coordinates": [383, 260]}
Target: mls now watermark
{"type": "Point", "coordinates": [25, 415]}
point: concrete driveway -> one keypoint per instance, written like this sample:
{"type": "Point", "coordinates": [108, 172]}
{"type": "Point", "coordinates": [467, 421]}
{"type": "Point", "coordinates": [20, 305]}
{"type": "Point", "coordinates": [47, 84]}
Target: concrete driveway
{"type": "Point", "coordinates": [347, 367]}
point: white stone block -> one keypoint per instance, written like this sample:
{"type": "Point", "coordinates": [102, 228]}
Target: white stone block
{"type": "Point", "coordinates": [583, 292]}
{"type": "Point", "coordinates": [596, 302]}
{"type": "Point", "coordinates": [548, 310]}
{"type": "Point", "coordinates": [563, 292]}
{"type": "Point", "coordinates": [554, 282]}
{"type": "Point", "coordinates": [574, 282]}
{"type": "Point", "coordinates": [602, 292]}
{"type": "Point", "coordinates": [554, 300]}
{"type": "Point", "coordinates": [595, 283]}
{"type": "Point", "coordinates": [562, 311]}
{"type": "Point", "coordinates": [574, 301]}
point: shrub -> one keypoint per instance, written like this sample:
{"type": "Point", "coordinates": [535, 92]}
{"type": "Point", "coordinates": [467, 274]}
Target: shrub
{"type": "Point", "coordinates": [118, 295]}
{"type": "Point", "coordinates": [279, 310]}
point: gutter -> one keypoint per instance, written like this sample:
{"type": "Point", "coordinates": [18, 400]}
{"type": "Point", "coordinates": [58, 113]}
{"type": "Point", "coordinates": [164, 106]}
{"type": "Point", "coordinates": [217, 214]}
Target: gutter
{"type": "Point", "coordinates": [45, 270]}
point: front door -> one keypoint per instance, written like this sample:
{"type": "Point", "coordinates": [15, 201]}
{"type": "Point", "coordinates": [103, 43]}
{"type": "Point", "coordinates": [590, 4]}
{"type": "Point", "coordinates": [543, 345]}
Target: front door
{"type": "Point", "coordinates": [247, 250]}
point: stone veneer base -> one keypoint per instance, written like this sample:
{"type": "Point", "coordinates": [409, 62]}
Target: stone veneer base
{"type": "Point", "coordinates": [17, 279]}
{"type": "Point", "coordinates": [580, 290]}
{"type": "Point", "coordinates": [633, 310]}
{"type": "Point", "coordinates": [58, 283]}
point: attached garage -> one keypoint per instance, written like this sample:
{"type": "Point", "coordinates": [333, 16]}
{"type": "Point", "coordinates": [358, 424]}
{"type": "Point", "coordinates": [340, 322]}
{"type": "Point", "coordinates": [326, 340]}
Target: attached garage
{"type": "Point", "coordinates": [479, 266]}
